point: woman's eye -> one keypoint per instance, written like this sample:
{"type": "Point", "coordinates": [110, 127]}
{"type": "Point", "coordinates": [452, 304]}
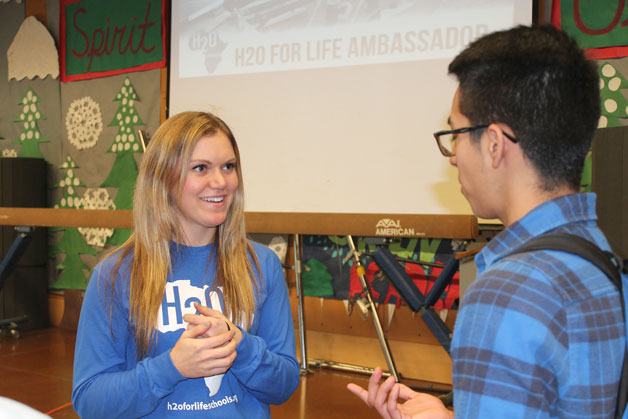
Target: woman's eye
{"type": "Point", "coordinates": [199, 168]}
{"type": "Point", "coordinates": [230, 166]}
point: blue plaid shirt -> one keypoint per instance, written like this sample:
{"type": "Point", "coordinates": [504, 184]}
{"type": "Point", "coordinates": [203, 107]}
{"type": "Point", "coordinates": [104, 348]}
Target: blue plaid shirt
{"type": "Point", "coordinates": [539, 334]}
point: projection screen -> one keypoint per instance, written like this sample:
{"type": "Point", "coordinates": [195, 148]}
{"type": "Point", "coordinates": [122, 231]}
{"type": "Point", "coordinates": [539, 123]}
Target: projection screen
{"type": "Point", "coordinates": [333, 103]}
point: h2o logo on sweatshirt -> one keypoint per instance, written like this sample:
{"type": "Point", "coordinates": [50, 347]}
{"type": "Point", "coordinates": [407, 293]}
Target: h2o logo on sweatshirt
{"type": "Point", "coordinates": [179, 299]}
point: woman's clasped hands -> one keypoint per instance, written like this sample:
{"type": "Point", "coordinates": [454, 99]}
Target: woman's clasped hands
{"type": "Point", "coordinates": [208, 345]}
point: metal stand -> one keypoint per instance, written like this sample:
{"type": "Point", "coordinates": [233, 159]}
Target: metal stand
{"type": "Point", "coordinates": [383, 343]}
{"type": "Point", "coordinates": [300, 310]}
{"type": "Point", "coordinates": [414, 297]}
{"type": "Point", "coordinates": [23, 238]}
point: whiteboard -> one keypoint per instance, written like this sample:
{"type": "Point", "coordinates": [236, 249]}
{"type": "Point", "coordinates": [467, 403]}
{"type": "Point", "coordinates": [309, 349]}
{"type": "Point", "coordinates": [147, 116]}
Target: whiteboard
{"type": "Point", "coordinates": [333, 103]}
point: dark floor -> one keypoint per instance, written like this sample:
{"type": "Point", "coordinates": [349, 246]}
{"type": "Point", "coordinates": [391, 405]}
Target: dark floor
{"type": "Point", "coordinates": [36, 369]}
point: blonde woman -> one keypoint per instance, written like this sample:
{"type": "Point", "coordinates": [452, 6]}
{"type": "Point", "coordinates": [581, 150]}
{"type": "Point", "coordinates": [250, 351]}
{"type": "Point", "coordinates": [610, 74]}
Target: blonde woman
{"type": "Point", "coordinates": [187, 318]}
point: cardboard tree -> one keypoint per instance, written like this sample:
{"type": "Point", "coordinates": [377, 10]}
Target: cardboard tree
{"type": "Point", "coordinates": [613, 109]}
{"type": "Point", "coordinates": [5, 152]}
{"type": "Point", "coordinates": [30, 137]}
{"type": "Point", "coordinates": [96, 198]}
{"type": "Point", "coordinates": [73, 271]}
{"type": "Point", "coordinates": [127, 142]}
{"type": "Point", "coordinates": [614, 106]}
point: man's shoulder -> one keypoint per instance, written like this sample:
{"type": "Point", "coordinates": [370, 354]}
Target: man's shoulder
{"type": "Point", "coordinates": [517, 274]}
{"type": "Point", "coordinates": [555, 274]}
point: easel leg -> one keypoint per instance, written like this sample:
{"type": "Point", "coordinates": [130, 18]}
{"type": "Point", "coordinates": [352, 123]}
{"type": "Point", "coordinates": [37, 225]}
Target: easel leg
{"type": "Point", "coordinates": [383, 343]}
{"type": "Point", "coordinates": [300, 311]}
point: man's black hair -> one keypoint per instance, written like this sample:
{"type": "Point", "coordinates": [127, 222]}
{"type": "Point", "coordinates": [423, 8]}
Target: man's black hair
{"type": "Point", "coordinates": [537, 81]}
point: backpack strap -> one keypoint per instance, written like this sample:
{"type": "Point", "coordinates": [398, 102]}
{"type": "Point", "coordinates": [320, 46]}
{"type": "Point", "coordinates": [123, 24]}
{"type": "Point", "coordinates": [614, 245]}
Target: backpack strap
{"type": "Point", "coordinates": [606, 262]}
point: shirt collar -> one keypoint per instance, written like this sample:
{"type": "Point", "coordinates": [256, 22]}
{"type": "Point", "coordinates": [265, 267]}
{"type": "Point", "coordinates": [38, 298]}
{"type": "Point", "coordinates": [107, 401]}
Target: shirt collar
{"type": "Point", "coordinates": [548, 216]}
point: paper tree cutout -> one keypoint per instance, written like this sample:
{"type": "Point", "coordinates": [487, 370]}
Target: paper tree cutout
{"type": "Point", "coordinates": [74, 271]}
{"type": "Point", "coordinates": [124, 171]}
{"type": "Point", "coordinates": [32, 52]}
{"type": "Point", "coordinates": [614, 106]}
{"type": "Point", "coordinates": [83, 123]}
{"type": "Point", "coordinates": [30, 137]}
{"type": "Point", "coordinates": [279, 245]}
{"type": "Point", "coordinates": [317, 281]}
{"type": "Point", "coordinates": [7, 152]}
{"type": "Point", "coordinates": [96, 198]}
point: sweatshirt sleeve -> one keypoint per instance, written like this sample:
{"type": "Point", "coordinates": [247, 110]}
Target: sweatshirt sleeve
{"type": "Point", "coordinates": [108, 382]}
{"type": "Point", "coordinates": [266, 364]}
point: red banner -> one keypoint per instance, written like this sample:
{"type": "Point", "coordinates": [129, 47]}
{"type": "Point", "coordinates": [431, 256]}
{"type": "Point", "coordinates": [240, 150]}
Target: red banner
{"type": "Point", "coordinates": [599, 26]}
{"type": "Point", "coordinates": [103, 38]}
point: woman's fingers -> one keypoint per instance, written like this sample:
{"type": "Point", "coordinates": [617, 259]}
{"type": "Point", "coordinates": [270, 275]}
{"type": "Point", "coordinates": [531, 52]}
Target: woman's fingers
{"type": "Point", "coordinates": [206, 311]}
{"type": "Point", "coordinates": [197, 356]}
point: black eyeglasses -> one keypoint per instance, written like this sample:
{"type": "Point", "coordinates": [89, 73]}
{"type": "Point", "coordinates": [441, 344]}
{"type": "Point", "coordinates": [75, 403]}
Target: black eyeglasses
{"type": "Point", "coordinates": [446, 139]}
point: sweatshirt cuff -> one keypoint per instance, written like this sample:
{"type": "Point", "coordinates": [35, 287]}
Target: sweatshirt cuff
{"type": "Point", "coordinates": [167, 375]}
{"type": "Point", "coordinates": [246, 350]}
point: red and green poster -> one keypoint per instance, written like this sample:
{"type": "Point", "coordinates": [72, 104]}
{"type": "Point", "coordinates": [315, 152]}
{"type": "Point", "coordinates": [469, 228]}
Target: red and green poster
{"type": "Point", "coordinates": [600, 26]}
{"type": "Point", "coordinates": [102, 38]}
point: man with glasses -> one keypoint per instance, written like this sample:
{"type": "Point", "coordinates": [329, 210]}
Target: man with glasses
{"type": "Point", "coordinates": [538, 334]}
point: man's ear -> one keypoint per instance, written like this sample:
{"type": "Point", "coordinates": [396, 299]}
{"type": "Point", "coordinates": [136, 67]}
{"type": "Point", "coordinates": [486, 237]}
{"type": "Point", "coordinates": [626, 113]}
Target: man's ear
{"type": "Point", "coordinates": [495, 145]}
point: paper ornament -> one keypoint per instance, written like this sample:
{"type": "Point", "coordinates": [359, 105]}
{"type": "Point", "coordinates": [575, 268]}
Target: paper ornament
{"type": "Point", "coordinates": [32, 52]}
{"type": "Point", "coordinates": [83, 123]}
{"type": "Point", "coordinates": [97, 198]}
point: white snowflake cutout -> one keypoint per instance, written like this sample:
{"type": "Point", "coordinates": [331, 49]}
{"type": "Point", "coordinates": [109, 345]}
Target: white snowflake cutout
{"type": "Point", "coordinates": [97, 198]}
{"type": "Point", "coordinates": [83, 122]}
{"type": "Point", "coordinates": [9, 152]}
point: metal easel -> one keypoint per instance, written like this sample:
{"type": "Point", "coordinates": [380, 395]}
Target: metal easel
{"type": "Point", "coordinates": [15, 252]}
{"type": "Point", "coordinates": [370, 305]}
{"type": "Point", "coordinates": [296, 247]}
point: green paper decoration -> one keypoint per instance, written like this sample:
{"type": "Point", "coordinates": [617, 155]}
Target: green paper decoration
{"type": "Point", "coordinates": [317, 281]}
{"type": "Point", "coordinates": [613, 103]}
{"type": "Point", "coordinates": [7, 152]}
{"type": "Point", "coordinates": [123, 174]}
{"type": "Point", "coordinates": [73, 269]}
{"type": "Point", "coordinates": [74, 272]}
{"type": "Point", "coordinates": [30, 137]}
{"type": "Point", "coordinates": [613, 111]}
{"type": "Point", "coordinates": [586, 181]}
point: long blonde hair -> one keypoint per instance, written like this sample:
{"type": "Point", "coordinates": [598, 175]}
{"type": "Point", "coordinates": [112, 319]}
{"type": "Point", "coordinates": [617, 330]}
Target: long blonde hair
{"type": "Point", "coordinates": [161, 177]}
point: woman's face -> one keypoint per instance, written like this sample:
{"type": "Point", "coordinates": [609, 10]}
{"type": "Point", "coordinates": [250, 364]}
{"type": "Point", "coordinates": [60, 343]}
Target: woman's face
{"type": "Point", "coordinates": [210, 184]}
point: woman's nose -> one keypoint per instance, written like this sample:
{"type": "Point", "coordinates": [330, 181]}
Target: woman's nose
{"type": "Point", "coordinates": [217, 179]}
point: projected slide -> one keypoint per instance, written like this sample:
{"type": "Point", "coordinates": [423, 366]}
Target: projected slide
{"type": "Point", "coordinates": [333, 102]}
{"type": "Point", "coordinates": [235, 37]}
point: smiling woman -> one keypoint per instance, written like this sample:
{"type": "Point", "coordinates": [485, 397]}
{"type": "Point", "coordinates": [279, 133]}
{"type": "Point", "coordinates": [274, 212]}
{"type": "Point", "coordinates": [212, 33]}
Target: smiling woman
{"type": "Point", "coordinates": [210, 183]}
{"type": "Point", "coordinates": [187, 308]}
